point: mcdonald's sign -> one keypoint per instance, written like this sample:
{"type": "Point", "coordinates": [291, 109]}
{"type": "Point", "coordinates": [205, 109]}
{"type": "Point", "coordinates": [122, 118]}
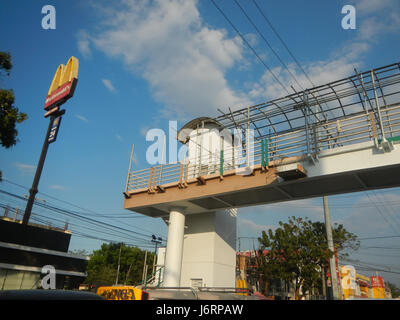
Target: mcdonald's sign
{"type": "Point", "coordinates": [63, 85]}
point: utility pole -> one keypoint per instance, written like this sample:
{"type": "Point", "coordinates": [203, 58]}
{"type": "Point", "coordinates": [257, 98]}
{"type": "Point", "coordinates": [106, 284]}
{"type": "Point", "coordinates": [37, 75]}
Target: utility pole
{"type": "Point", "coordinates": [119, 259]}
{"type": "Point", "coordinates": [144, 266]}
{"type": "Point", "coordinates": [332, 262]}
{"type": "Point", "coordinates": [240, 272]}
{"type": "Point", "coordinates": [323, 282]}
{"type": "Point", "coordinates": [127, 274]}
{"type": "Point", "coordinates": [16, 214]}
{"type": "Point", "coordinates": [6, 209]}
{"type": "Point", "coordinates": [156, 242]}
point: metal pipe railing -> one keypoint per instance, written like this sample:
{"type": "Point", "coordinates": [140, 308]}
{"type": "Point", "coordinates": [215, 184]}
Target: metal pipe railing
{"type": "Point", "coordinates": [321, 136]}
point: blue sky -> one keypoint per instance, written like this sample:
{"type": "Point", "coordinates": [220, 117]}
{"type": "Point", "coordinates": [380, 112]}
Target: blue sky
{"type": "Point", "coordinates": [143, 63]}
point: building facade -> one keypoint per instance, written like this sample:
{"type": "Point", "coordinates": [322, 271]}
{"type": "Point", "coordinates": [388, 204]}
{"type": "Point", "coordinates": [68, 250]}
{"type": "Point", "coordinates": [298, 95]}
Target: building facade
{"type": "Point", "coordinates": [29, 252]}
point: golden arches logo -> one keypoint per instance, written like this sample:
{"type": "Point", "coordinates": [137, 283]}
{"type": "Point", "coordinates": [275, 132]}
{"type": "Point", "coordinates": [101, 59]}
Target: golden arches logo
{"type": "Point", "coordinates": [63, 84]}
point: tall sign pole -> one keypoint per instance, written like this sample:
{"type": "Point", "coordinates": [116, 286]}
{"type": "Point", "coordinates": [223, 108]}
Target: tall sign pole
{"type": "Point", "coordinates": [33, 191]}
{"type": "Point", "coordinates": [61, 89]}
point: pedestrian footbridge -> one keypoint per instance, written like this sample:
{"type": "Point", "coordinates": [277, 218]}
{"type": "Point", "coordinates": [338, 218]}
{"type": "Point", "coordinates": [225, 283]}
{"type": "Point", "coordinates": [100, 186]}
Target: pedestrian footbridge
{"type": "Point", "coordinates": [337, 138]}
{"type": "Point", "coordinates": [340, 137]}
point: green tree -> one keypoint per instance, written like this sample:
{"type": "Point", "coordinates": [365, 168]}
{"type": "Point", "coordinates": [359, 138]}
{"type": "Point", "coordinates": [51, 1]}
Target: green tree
{"type": "Point", "coordinates": [9, 114]}
{"type": "Point", "coordinates": [5, 62]}
{"type": "Point", "coordinates": [298, 250]}
{"type": "Point", "coordinates": [342, 240]}
{"type": "Point", "coordinates": [394, 289]}
{"type": "Point", "coordinates": [103, 265]}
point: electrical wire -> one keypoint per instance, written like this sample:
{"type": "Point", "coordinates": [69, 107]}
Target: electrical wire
{"type": "Point", "coordinates": [379, 237]}
{"type": "Point", "coordinates": [269, 45]}
{"type": "Point", "coordinates": [389, 248]}
{"type": "Point", "coordinates": [381, 214]}
{"type": "Point", "coordinates": [82, 235]}
{"type": "Point", "coordinates": [383, 255]}
{"type": "Point", "coordinates": [283, 42]}
{"type": "Point", "coordinates": [69, 212]}
{"type": "Point", "coordinates": [114, 217]}
{"type": "Point", "coordinates": [373, 269]}
{"type": "Point", "coordinates": [387, 206]}
{"type": "Point", "coordinates": [369, 264]}
{"type": "Point", "coordinates": [74, 205]}
{"type": "Point", "coordinates": [38, 217]}
{"type": "Point", "coordinates": [251, 48]}
{"type": "Point", "coordinates": [86, 219]}
{"type": "Point", "coordinates": [289, 51]}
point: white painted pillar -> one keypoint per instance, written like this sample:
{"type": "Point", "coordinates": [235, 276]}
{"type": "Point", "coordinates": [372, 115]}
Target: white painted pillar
{"type": "Point", "coordinates": [174, 251]}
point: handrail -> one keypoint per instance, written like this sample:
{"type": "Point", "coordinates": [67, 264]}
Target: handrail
{"type": "Point", "coordinates": [179, 289]}
{"type": "Point", "coordinates": [321, 136]}
{"type": "Point", "coordinates": [152, 277]}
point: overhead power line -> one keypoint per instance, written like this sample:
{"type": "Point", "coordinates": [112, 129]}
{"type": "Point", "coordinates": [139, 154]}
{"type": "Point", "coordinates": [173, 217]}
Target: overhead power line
{"type": "Point", "coordinates": [114, 217]}
{"type": "Point", "coordinates": [386, 206]}
{"type": "Point", "coordinates": [86, 219]}
{"type": "Point", "coordinates": [283, 42]}
{"type": "Point", "coordinates": [82, 235]}
{"type": "Point", "coordinates": [269, 45]}
{"type": "Point", "coordinates": [86, 228]}
{"type": "Point", "coordinates": [381, 214]}
{"type": "Point", "coordinates": [363, 268]}
{"type": "Point", "coordinates": [389, 248]}
{"type": "Point", "coordinates": [370, 264]}
{"type": "Point", "coordinates": [380, 237]}
{"type": "Point", "coordinates": [383, 255]}
{"type": "Point", "coordinates": [127, 215]}
{"type": "Point", "coordinates": [116, 233]}
{"type": "Point", "coordinates": [293, 57]}
{"type": "Point", "coordinates": [251, 48]}
{"type": "Point", "coordinates": [130, 214]}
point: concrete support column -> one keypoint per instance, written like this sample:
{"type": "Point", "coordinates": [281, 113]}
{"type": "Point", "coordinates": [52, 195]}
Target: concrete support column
{"type": "Point", "coordinates": [174, 250]}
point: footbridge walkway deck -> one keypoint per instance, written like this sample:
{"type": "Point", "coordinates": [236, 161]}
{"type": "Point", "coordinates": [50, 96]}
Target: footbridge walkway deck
{"type": "Point", "coordinates": [336, 138]}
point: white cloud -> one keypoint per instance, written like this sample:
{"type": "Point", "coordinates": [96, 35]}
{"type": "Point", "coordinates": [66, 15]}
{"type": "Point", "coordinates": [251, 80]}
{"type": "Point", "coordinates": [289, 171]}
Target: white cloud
{"type": "Point", "coordinates": [371, 28]}
{"type": "Point", "coordinates": [310, 208]}
{"type": "Point", "coordinates": [57, 187]}
{"type": "Point", "coordinates": [144, 130]}
{"type": "Point", "coordinates": [366, 7]}
{"type": "Point", "coordinates": [342, 61]}
{"type": "Point", "coordinates": [254, 226]}
{"type": "Point", "coordinates": [82, 118]}
{"type": "Point", "coordinates": [26, 168]}
{"type": "Point", "coordinates": [375, 18]}
{"type": "Point", "coordinates": [108, 84]}
{"type": "Point", "coordinates": [84, 44]}
{"type": "Point", "coordinates": [339, 66]}
{"type": "Point", "coordinates": [183, 60]}
{"type": "Point", "coordinates": [118, 137]}
{"type": "Point", "coordinates": [251, 38]}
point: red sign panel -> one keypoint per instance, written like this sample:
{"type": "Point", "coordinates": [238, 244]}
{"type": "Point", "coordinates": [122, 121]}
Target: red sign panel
{"type": "Point", "coordinates": [377, 282]}
{"type": "Point", "coordinates": [61, 95]}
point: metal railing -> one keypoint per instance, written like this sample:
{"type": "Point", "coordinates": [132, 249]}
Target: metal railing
{"type": "Point", "coordinates": [309, 140]}
{"type": "Point", "coordinates": [154, 279]}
